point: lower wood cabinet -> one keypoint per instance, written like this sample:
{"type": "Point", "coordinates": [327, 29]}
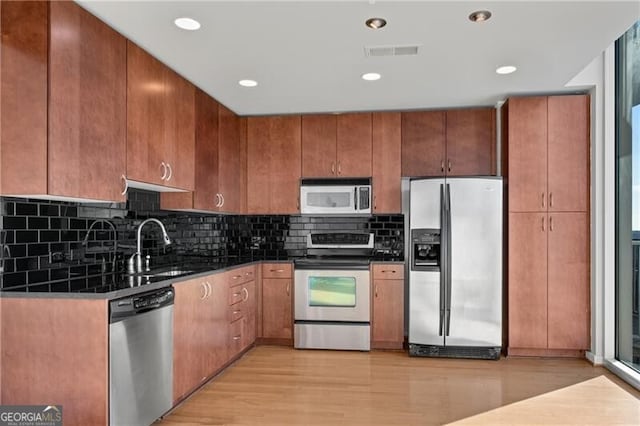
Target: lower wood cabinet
{"type": "Point", "coordinates": [199, 332]}
{"type": "Point", "coordinates": [241, 310]}
{"type": "Point", "coordinates": [387, 322]}
{"type": "Point", "coordinates": [277, 302]}
{"type": "Point", "coordinates": [549, 287]}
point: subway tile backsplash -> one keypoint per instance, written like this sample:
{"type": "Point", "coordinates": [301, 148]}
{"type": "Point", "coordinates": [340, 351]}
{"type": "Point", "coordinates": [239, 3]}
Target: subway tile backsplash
{"type": "Point", "coordinates": [61, 246]}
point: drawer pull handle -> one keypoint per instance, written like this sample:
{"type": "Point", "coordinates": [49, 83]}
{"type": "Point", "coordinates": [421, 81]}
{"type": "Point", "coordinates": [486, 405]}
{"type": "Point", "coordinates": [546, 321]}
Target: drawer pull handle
{"type": "Point", "coordinates": [236, 337]}
{"type": "Point", "coordinates": [237, 293]}
{"type": "Point", "coordinates": [236, 312]}
{"type": "Point", "coordinates": [235, 277]}
{"type": "Point", "coordinates": [248, 273]}
{"type": "Point", "coordinates": [276, 270]}
{"type": "Point", "coordinates": [288, 289]}
{"type": "Point", "coordinates": [246, 294]}
{"type": "Point", "coordinates": [384, 271]}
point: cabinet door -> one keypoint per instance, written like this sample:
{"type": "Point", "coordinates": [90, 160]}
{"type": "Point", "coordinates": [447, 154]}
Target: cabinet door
{"type": "Point", "coordinates": [23, 110]}
{"type": "Point", "coordinates": [179, 122]}
{"type": "Point", "coordinates": [527, 154]}
{"type": "Point", "coordinates": [206, 161]}
{"type": "Point", "coordinates": [190, 312]}
{"type": "Point", "coordinates": [216, 326]}
{"type": "Point", "coordinates": [353, 145]}
{"type": "Point", "coordinates": [273, 164]}
{"type": "Point", "coordinates": [229, 164]}
{"type": "Point", "coordinates": [471, 141]}
{"type": "Point", "coordinates": [284, 168]}
{"type": "Point", "coordinates": [87, 105]}
{"type": "Point", "coordinates": [388, 312]}
{"type": "Point", "coordinates": [249, 315]}
{"type": "Point", "coordinates": [258, 165]}
{"type": "Point", "coordinates": [528, 280]}
{"type": "Point", "coordinates": [569, 309]}
{"type": "Point", "coordinates": [569, 153]}
{"type": "Point", "coordinates": [319, 145]}
{"type": "Point", "coordinates": [145, 116]}
{"type": "Point", "coordinates": [277, 318]}
{"type": "Point", "coordinates": [423, 143]}
{"type": "Point", "coordinates": [386, 162]}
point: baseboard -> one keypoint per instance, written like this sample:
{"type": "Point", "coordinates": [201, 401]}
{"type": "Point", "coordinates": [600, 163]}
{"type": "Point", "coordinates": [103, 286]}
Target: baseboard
{"type": "Point", "coordinates": [386, 345]}
{"type": "Point", "coordinates": [274, 341]}
{"type": "Point", "coordinates": [594, 359]}
{"type": "Point", "coordinates": [545, 353]}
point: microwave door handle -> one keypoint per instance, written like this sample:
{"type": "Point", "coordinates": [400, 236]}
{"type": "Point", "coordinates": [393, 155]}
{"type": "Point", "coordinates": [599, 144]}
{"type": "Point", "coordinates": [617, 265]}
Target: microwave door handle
{"type": "Point", "coordinates": [355, 196]}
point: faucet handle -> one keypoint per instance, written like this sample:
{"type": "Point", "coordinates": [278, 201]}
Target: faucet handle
{"type": "Point", "coordinates": [147, 263]}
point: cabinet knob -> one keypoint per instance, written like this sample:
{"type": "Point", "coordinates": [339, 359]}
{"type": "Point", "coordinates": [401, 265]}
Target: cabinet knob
{"type": "Point", "coordinates": [543, 199]}
{"type": "Point", "coordinates": [542, 223]}
{"type": "Point", "coordinates": [551, 199]}
{"type": "Point", "coordinates": [442, 166]}
{"type": "Point", "coordinates": [170, 172]}
{"type": "Point", "coordinates": [125, 185]}
{"type": "Point", "coordinates": [449, 165]}
{"type": "Point", "coordinates": [550, 223]}
{"type": "Point", "coordinates": [333, 168]}
{"type": "Point", "coordinates": [339, 168]}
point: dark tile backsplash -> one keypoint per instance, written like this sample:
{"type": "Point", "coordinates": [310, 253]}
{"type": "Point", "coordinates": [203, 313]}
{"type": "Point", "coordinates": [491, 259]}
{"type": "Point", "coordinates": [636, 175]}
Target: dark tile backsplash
{"type": "Point", "coordinates": [61, 246]}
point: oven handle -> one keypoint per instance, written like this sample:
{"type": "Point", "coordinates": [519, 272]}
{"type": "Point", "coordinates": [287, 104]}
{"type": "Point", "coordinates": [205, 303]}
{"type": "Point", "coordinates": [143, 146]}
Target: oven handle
{"type": "Point", "coordinates": [325, 267]}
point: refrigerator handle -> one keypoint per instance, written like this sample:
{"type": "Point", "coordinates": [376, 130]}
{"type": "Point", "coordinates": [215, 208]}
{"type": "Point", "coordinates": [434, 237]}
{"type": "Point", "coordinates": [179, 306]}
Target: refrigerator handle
{"type": "Point", "coordinates": [448, 262]}
{"type": "Point", "coordinates": [443, 227]}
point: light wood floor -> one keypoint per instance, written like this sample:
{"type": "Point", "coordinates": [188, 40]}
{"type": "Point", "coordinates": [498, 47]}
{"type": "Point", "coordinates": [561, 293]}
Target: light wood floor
{"type": "Point", "coordinates": [283, 386]}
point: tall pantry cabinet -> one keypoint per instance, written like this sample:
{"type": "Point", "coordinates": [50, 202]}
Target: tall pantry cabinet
{"type": "Point", "coordinates": [546, 144]}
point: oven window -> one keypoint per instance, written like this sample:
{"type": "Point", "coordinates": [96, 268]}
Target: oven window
{"type": "Point", "coordinates": [332, 291]}
{"type": "Point", "coordinates": [329, 199]}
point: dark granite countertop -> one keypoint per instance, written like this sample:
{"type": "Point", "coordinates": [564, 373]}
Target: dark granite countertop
{"type": "Point", "coordinates": [127, 285]}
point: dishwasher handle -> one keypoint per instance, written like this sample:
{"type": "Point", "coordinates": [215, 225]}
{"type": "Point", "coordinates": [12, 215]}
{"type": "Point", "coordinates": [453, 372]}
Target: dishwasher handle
{"type": "Point", "coordinates": [138, 304]}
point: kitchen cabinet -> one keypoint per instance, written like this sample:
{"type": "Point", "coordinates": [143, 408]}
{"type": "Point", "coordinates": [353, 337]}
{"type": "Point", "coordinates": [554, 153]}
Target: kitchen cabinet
{"type": "Point", "coordinates": [386, 162]}
{"type": "Point", "coordinates": [241, 309]}
{"type": "Point", "coordinates": [273, 165]}
{"type": "Point", "coordinates": [387, 323]}
{"type": "Point", "coordinates": [449, 143]}
{"type": "Point", "coordinates": [218, 162]}
{"type": "Point", "coordinates": [277, 302]}
{"type": "Point", "coordinates": [200, 332]}
{"type": "Point", "coordinates": [63, 343]}
{"type": "Point", "coordinates": [547, 173]}
{"type": "Point", "coordinates": [160, 123]}
{"type": "Point", "coordinates": [71, 143]}
{"type": "Point", "coordinates": [337, 145]}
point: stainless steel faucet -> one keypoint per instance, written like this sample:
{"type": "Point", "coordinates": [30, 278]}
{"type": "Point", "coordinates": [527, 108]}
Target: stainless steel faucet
{"type": "Point", "coordinates": [135, 261]}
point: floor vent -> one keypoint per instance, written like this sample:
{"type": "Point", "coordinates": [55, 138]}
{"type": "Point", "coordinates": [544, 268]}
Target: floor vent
{"type": "Point", "coordinates": [390, 50]}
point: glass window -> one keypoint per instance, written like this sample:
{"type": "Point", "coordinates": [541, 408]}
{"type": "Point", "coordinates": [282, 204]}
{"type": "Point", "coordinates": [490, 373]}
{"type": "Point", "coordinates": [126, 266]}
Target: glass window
{"type": "Point", "coordinates": [332, 291]}
{"type": "Point", "coordinates": [628, 197]}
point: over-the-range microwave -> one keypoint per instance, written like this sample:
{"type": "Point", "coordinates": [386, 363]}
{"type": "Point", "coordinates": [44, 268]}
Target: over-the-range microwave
{"type": "Point", "coordinates": [335, 196]}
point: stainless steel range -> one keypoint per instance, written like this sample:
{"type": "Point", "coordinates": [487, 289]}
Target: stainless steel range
{"type": "Point", "coordinates": [332, 292]}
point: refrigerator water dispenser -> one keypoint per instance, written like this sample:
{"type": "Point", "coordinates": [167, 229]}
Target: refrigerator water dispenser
{"type": "Point", "coordinates": [425, 249]}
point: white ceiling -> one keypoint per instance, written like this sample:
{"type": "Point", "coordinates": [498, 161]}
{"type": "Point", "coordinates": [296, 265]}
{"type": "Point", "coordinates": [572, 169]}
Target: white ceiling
{"type": "Point", "coordinates": [308, 56]}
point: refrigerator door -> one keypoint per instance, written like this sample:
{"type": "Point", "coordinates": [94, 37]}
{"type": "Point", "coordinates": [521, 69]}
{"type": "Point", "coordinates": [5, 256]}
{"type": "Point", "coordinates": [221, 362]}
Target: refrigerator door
{"type": "Point", "coordinates": [475, 281]}
{"type": "Point", "coordinates": [425, 316]}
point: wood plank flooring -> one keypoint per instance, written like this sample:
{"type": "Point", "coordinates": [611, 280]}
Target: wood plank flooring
{"type": "Point", "coordinates": [282, 386]}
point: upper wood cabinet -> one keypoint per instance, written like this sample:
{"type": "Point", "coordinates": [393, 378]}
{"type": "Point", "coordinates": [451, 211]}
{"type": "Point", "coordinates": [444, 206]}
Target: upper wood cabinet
{"type": "Point", "coordinates": [336, 145]}
{"type": "Point", "coordinates": [386, 162]}
{"type": "Point", "coordinates": [449, 143]}
{"type": "Point", "coordinates": [273, 164]}
{"type": "Point", "coordinates": [71, 143]}
{"type": "Point", "coordinates": [219, 162]}
{"type": "Point", "coordinates": [471, 142]}
{"type": "Point", "coordinates": [548, 153]}
{"type": "Point", "coordinates": [160, 123]}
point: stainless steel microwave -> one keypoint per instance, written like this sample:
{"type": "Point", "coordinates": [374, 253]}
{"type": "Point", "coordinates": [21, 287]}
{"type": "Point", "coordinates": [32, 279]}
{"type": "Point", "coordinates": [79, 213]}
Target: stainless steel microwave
{"type": "Point", "coordinates": [335, 196]}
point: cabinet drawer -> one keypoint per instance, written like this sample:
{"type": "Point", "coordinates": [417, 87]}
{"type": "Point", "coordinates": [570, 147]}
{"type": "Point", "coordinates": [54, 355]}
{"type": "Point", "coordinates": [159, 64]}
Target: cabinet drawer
{"type": "Point", "coordinates": [276, 270]}
{"type": "Point", "coordinates": [236, 312]}
{"type": "Point", "coordinates": [241, 275]}
{"type": "Point", "coordinates": [388, 271]}
{"type": "Point", "coordinates": [236, 294]}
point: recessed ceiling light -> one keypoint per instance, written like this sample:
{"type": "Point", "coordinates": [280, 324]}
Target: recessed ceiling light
{"type": "Point", "coordinates": [507, 69]}
{"type": "Point", "coordinates": [480, 16]}
{"type": "Point", "coordinates": [187, 24]}
{"type": "Point", "coordinates": [375, 23]}
{"type": "Point", "coordinates": [371, 76]}
{"type": "Point", "coordinates": [248, 83]}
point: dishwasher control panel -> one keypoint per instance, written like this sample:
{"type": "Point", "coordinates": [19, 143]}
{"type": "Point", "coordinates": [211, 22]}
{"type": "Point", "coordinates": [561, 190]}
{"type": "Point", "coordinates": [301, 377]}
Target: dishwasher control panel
{"type": "Point", "coordinates": [136, 304]}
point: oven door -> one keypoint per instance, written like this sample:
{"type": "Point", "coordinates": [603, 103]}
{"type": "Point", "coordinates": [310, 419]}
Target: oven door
{"type": "Point", "coordinates": [332, 295]}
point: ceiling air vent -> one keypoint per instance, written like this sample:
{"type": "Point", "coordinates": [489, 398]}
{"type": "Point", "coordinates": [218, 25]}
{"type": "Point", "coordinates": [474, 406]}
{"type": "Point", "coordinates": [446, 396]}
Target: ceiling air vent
{"type": "Point", "coordinates": [390, 50]}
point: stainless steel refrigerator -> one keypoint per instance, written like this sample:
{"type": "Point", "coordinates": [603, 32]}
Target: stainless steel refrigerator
{"type": "Point", "coordinates": [455, 267]}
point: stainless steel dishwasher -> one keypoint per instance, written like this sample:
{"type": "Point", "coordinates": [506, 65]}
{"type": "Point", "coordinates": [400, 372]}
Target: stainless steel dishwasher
{"type": "Point", "coordinates": [140, 357]}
